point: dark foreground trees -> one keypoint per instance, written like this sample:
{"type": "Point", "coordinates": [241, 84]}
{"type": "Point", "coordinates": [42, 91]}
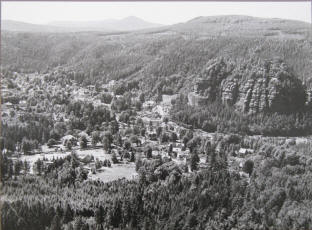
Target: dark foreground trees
{"type": "Point", "coordinates": [158, 194]}
{"type": "Point", "coordinates": [163, 197]}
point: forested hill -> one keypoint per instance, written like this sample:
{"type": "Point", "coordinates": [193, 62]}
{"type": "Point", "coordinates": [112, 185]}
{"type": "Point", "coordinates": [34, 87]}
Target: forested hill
{"type": "Point", "coordinates": [182, 49]}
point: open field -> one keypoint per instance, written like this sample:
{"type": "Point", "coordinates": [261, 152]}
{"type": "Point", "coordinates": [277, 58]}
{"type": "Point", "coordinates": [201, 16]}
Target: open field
{"type": "Point", "coordinates": [117, 171]}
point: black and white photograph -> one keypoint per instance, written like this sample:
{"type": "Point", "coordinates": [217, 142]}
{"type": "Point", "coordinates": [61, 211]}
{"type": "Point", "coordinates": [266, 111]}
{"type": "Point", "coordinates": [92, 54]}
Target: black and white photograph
{"type": "Point", "coordinates": [156, 115]}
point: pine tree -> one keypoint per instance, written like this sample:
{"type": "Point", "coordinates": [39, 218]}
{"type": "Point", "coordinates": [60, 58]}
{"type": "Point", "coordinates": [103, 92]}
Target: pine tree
{"type": "Point", "coordinates": [56, 223]}
{"type": "Point", "coordinates": [138, 163]}
{"type": "Point", "coordinates": [83, 142]}
{"type": "Point", "coordinates": [10, 169]}
{"type": "Point", "coordinates": [59, 211]}
{"type": "Point", "coordinates": [26, 167]}
{"type": "Point", "coordinates": [107, 141]}
{"type": "Point", "coordinates": [194, 161]}
{"type": "Point", "coordinates": [212, 159]}
{"type": "Point", "coordinates": [115, 215]}
{"type": "Point", "coordinates": [99, 215]}
{"type": "Point", "coordinates": [17, 167]}
{"type": "Point", "coordinates": [68, 215]}
{"type": "Point", "coordinates": [38, 166]}
{"type": "Point", "coordinates": [114, 158]}
{"type": "Point", "coordinates": [148, 152]}
{"type": "Point", "coordinates": [132, 157]}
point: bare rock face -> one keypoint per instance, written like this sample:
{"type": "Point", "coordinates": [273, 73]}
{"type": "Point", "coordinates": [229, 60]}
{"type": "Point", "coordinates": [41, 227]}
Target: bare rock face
{"type": "Point", "coordinates": [253, 87]}
{"type": "Point", "coordinates": [196, 99]}
{"type": "Point", "coordinates": [229, 91]}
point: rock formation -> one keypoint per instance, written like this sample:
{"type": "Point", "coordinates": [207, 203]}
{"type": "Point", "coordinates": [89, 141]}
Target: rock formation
{"type": "Point", "coordinates": [251, 88]}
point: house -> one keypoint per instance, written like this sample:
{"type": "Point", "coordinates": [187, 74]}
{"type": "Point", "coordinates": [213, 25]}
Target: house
{"type": "Point", "coordinates": [91, 87]}
{"type": "Point", "coordinates": [149, 104]}
{"type": "Point", "coordinates": [9, 105]}
{"type": "Point", "coordinates": [242, 152]}
{"type": "Point", "coordinates": [23, 104]}
{"type": "Point", "coordinates": [111, 83]}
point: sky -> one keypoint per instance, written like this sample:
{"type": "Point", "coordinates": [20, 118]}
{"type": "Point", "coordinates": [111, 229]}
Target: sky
{"type": "Point", "coordinates": [157, 12]}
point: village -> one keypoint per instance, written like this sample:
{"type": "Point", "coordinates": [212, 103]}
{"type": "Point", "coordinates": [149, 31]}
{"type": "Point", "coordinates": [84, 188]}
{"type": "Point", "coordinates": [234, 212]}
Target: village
{"type": "Point", "coordinates": [149, 134]}
{"type": "Point", "coordinates": [146, 134]}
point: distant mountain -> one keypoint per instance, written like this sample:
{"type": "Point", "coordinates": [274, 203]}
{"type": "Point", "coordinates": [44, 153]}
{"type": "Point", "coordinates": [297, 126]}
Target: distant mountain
{"type": "Point", "coordinates": [109, 25]}
{"type": "Point", "coordinates": [245, 26]}
{"type": "Point", "coordinates": [126, 24]}
{"type": "Point", "coordinates": [10, 25]}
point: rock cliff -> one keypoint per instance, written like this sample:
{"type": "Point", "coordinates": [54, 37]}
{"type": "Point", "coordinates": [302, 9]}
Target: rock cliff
{"type": "Point", "coordinates": [253, 87]}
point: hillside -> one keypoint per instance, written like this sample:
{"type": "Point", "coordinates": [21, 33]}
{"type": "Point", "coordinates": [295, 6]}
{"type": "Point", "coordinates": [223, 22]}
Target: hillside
{"type": "Point", "coordinates": [159, 55]}
{"type": "Point", "coordinates": [246, 26]}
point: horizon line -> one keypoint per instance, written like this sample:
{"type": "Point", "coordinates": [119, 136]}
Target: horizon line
{"type": "Point", "coordinates": [161, 24]}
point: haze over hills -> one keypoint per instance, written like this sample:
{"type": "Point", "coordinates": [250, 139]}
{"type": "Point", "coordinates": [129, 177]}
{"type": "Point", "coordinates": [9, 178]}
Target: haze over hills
{"type": "Point", "coordinates": [224, 25]}
{"type": "Point", "coordinates": [126, 24]}
{"type": "Point", "coordinates": [17, 26]}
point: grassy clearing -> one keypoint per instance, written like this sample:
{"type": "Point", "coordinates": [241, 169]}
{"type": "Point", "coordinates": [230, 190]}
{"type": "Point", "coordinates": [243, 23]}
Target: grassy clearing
{"type": "Point", "coordinates": [117, 171]}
